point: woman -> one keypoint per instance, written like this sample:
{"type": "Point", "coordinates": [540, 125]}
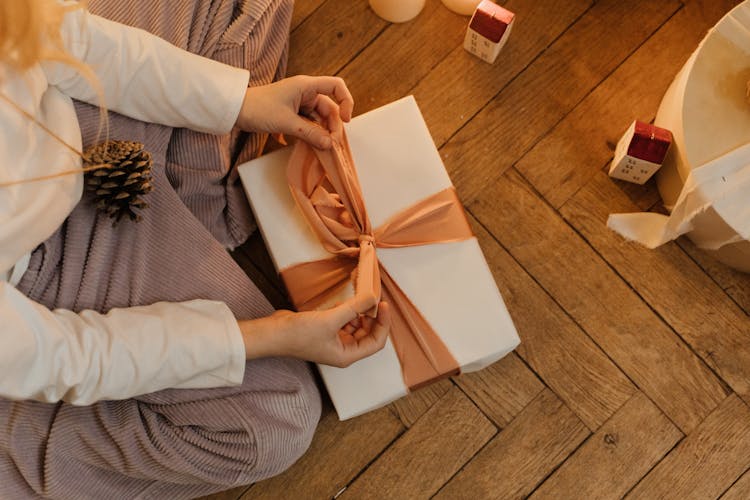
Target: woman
{"type": "Point", "coordinates": [97, 317]}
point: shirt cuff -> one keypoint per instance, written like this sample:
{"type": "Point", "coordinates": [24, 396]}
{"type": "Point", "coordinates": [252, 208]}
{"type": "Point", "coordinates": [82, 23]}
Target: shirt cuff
{"type": "Point", "coordinates": [235, 371]}
{"type": "Point", "coordinates": [234, 85]}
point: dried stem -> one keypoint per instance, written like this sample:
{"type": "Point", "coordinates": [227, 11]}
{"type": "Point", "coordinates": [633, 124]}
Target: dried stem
{"type": "Point", "coordinates": [54, 176]}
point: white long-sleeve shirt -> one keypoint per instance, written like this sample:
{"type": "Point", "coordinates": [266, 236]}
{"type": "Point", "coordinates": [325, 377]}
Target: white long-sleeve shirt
{"type": "Point", "coordinates": [81, 358]}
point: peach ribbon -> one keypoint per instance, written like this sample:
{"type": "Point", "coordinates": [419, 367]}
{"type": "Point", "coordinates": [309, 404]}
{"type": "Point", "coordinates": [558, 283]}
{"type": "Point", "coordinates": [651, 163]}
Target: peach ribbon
{"type": "Point", "coordinates": [325, 186]}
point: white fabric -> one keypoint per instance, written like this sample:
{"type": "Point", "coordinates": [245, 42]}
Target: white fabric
{"type": "Point", "coordinates": [15, 275]}
{"type": "Point", "coordinates": [720, 185]}
{"type": "Point", "coordinates": [80, 358]}
{"type": "Point", "coordinates": [706, 109]}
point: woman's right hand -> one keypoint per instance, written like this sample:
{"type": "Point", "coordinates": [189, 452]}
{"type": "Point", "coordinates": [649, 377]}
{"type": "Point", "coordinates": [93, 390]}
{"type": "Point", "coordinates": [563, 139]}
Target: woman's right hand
{"type": "Point", "coordinates": [276, 108]}
{"type": "Point", "coordinates": [338, 336]}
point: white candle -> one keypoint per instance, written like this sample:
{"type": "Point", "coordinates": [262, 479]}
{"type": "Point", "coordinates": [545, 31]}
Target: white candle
{"type": "Point", "coordinates": [397, 11]}
{"type": "Point", "coordinates": [463, 7]}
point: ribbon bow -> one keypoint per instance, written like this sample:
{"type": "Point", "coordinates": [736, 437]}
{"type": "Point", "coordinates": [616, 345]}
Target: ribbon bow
{"type": "Point", "coordinates": [326, 189]}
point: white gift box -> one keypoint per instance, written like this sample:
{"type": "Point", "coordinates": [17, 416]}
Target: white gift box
{"type": "Point", "coordinates": [450, 283]}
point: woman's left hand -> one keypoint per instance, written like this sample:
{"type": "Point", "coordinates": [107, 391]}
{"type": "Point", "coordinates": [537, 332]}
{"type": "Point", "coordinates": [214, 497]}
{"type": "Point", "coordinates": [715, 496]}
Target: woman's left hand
{"type": "Point", "coordinates": [276, 108]}
{"type": "Point", "coordinates": [338, 336]}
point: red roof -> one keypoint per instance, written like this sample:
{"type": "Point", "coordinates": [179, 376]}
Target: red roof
{"type": "Point", "coordinates": [490, 20]}
{"type": "Point", "coordinates": [649, 142]}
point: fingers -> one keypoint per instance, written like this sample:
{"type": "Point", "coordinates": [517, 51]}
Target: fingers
{"type": "Point", "coordinates": [364, 301]}
{"type": "Point", "coordinates": [311, 132]}
{"type": "Point", "coordinates": [371, 341]}
{"type": "Point", "coordinates": [335, 88]}
{"type": "Point", "coordinates": [327, 99]}
{"type": "Point", "coordinates": [353, 326]}
{"type": "Point", "coordinates": [369, 338]}
{"type": "Point", "coordinates": [384, 317]}
{"type": "Point", "coordinates": [366, 324]}
{"type": "Point", "coordinates": [328, 112]}
{"type": "Point", "coordinates": [338, 316]}
{"type": "Point", "coordinates": [349, 310]}
{"type": "Point", "coordinates": [324, 121]}
{"type": "Point", "coordinates": [360, 336]}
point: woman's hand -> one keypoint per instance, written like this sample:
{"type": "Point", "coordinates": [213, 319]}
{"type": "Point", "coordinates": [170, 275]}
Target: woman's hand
{"type": "Point", "coordinates": [336, 337]}
{"type": "Point", "coordinates": [276, 108]}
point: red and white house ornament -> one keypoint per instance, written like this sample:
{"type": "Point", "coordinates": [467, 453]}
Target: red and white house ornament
{"type": "Point", "coordinates": [488, 30]}
{"type": "Point", "coordinates": [640, 152]}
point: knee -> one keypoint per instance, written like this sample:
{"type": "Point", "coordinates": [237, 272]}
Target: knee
{"type": "Point", "coordinates": [237, 435]}
{"type": "Point", "coordinates": [288, 423]}
{"type": "Point", "coordinates": [300, 411]}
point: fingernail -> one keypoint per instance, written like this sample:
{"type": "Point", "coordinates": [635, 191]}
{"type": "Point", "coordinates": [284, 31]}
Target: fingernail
{"type": "Point", "coordinates": [325, 142]}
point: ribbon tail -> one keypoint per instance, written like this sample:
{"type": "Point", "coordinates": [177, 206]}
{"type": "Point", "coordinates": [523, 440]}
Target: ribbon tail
{"type": "Point", "coordinates": [367, 286]}
{"type": "Point", "coordinates": [439, 218]}
{"type": "Point", "coordinates": [423, 355]}
{"type": "Point", "coordinates": [311, 284]}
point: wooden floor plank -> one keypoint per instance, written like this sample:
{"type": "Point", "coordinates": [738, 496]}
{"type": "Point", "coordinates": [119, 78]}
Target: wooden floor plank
{"type": "Point", "coordinates": [302, 10]}
{"type": "Point", "coordinates": [696, 308]}
{"type": "Point", "coordinates": [558, 351]}
{"type": "Point", "coordinates": [255, 250]}
{"type": "Point", "coordinates": [546, 91]}
{"type": "Point", "coordinates": [410, 408]}
{"type": "Point", "coordinates": [582, 142]}
{"type": "Point", "coordinates": [458, 87]}
{"type": "Point", "coordinates": [598, 319]}
{"type": "Point", "coordinates": [614, 459]}
{"type": "Point", "coordinates": [432, 451]}
{"type": "Point", "coordinates": [233, 494]}
{"type": "Point", "coordinates": [739, 490]}
{"type": "Point", "coordinates": [736, 284]}
{"type": "Point", "coordinates": [706, 462]}
{"type": "Point", "coordinates": [501, 390]}
{"type": "Point", "coordinates": [641, 344]}
{"type": "Point", "coordinates": [522, 455]}
{"type": "Point", "coordinates": [399, 58]}
{"type": "Point", "coordinates": [339, 451]}
{"type": "Point", "coordinates": [331, 36]}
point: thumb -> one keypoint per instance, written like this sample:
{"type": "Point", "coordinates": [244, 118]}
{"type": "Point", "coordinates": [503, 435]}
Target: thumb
{"type": "Point", "coordinates": [311, 132]}
{"type": "Point", "coordinates": [342, 314]}
{"type": "Point", "coordinates": [350, 309]}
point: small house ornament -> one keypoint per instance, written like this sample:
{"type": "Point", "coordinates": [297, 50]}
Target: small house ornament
{"type": "Point", "coordinates": [640, 152]}
{"type": "Point", "coordinates": [488, 30]}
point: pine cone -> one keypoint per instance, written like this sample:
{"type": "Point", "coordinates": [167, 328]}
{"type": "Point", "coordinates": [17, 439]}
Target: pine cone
{"type": "Point", "coordinates": [117, 188]}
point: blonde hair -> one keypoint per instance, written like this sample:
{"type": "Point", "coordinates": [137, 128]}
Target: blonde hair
{"type": "Point", "coordinates": [30, 34]}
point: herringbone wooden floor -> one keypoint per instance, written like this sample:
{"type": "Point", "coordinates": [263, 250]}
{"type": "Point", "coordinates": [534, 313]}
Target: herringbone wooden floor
{"type": "Point", "coordinates": [633, 376]}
